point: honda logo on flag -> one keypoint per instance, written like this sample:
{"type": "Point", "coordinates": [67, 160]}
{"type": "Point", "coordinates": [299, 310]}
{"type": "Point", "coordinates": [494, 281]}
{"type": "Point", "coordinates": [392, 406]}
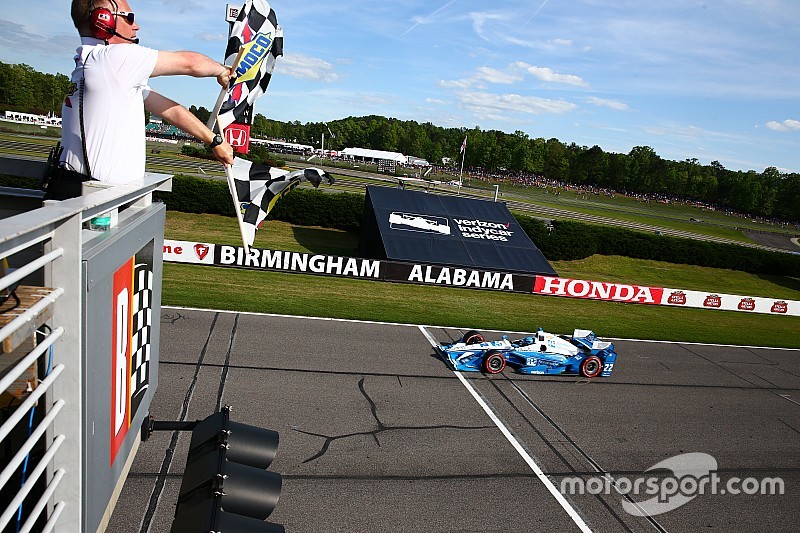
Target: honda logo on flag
{"type": "Point", "coordinates": [238, 136]}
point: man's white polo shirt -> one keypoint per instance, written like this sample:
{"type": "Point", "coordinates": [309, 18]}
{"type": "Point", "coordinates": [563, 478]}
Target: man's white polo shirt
{"type": "Point", "coordinates": [113, 111]}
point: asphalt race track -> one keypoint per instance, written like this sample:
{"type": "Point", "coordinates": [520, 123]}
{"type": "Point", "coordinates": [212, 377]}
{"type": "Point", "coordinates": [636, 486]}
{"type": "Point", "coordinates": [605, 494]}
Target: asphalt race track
{"type": "Point", "coordinates": [377, 434]}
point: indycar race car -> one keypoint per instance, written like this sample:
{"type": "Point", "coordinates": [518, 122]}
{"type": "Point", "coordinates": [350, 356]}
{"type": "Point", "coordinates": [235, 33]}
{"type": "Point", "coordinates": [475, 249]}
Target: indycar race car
{"type": "Point", "coordinates": [545, 353]}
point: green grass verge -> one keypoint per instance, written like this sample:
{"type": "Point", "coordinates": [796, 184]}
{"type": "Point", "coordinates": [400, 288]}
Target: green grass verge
{"type": "Point", "coordinates": [298, 294]}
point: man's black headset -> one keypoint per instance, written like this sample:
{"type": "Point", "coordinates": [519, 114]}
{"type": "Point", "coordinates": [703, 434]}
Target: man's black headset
{"type": "Point", "coordinates": [104, 24]}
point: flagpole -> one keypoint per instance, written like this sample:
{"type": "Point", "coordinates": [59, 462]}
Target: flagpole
{"type": "Point", "coordinates": [463, 157]}
{"type": "Point", "coordinates": [212, 119]}
{"type": "Point", "coordinates": [237, 207]}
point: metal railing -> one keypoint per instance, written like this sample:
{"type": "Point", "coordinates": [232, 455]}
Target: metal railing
{"type": "Point", "coordinates": [43, 424]}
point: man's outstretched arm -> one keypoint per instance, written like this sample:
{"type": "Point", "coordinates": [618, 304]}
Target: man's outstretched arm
{"type": "Point", "coordinates": [190, 64]}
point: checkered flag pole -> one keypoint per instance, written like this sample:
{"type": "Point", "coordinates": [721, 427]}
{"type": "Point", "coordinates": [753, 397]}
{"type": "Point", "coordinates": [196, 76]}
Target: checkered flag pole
{"type": "Point", "coordinates": [223, 93]}
{"type": "Point", "coordinates": [255, 43]}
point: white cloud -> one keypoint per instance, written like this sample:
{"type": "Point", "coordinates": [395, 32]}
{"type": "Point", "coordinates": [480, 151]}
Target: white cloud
{"type": "Point", "coordinates": [613, 104]}
{"type": "Point", "coordinates": [511, 75]}
{"type": "Point", "coordinates": [496, 76]}
{"type": "Point", "coordinates": [786, 125]}
{"type": "Point", "coordinates": [493, 104]}
{"type": "Point", "coordinates": [212, 37]}
{"type": "Point", "coordinates": [463, 83]}
{"type": "Point", "coordinates": [16, 37]}
{"type": "Point", "coordinates": [307, 68]}
{"type": "Point", "coordinates": [686, 131]}
{"type": "Point", "coordinates": [549, 76]}
{"type": "Point", "coordinates": [479, 21]}
{"type": "Point", "coordinates": [655, 130]}
{"type": "Point", "coordinates": [546, 46]}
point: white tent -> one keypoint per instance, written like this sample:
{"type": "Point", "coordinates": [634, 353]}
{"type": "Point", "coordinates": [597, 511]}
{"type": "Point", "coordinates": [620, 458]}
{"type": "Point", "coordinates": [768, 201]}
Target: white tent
{"type": "Point", "coordinates": [373, 155]}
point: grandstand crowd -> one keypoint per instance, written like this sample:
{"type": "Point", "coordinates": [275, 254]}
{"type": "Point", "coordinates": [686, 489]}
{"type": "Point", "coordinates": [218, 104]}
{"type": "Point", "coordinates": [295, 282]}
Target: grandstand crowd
{"type": "Point", "coordinates": [163, 130]}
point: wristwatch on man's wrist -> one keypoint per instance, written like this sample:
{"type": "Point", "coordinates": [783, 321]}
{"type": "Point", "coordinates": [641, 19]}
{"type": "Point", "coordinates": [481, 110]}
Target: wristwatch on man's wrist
{"type": "Point", "coordinates": [216, 141]}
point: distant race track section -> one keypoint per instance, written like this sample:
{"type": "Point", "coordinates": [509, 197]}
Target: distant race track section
{"type": "Point", "coordinates": [218, 255]}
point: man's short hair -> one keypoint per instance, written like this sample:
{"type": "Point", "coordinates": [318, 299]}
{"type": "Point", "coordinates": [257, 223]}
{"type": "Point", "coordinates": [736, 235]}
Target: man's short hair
{"type": "Point", "coordinates": [81, 9]}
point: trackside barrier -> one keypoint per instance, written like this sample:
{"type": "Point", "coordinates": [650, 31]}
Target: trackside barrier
{"type": "Point", "coordinates": [78, 365]}
{"type": "Point", "coordinates": [450, 276]}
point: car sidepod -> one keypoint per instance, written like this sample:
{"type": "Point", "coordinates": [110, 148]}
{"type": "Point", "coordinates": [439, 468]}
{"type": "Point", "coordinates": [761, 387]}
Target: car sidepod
{"type": "Point", "coordinates": [529, 360]}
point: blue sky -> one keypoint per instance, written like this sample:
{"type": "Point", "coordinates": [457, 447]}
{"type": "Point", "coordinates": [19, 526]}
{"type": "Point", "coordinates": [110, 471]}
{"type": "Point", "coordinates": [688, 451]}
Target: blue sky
{"type": "Point", "coordinates": [712, 80]}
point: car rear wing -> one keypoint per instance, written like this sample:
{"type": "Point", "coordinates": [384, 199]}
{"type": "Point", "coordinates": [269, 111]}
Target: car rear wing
{"type": "Point", "coordinates": [589, 340]}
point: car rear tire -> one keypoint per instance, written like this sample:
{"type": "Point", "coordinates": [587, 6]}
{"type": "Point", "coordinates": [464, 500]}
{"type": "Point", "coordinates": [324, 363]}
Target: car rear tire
{"type": "Point", "coordinates": [472, 337]}
{"type": "Point", "coordinates": [591, 367]}
{"type": "Point", "coordinates": [493, 362]}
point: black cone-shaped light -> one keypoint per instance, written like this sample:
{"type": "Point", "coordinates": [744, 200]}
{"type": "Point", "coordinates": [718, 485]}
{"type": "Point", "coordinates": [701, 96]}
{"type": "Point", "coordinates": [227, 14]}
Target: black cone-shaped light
{"type": "Point", "coordinates": [226, 487]}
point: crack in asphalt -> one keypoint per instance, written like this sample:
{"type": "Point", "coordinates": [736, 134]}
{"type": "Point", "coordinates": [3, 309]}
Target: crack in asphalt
{"type": "Point", "coordinates": [381, 428]}
{"type": "Point", "coordinates": [165, 317]}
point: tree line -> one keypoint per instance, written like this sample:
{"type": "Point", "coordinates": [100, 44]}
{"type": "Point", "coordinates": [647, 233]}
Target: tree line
{"type": "Point", "coordinates": [642, 171]}
{"type": "Point", "coordinates": [26, 90]}
{"type": "Point", "coordinates": [769, 193]}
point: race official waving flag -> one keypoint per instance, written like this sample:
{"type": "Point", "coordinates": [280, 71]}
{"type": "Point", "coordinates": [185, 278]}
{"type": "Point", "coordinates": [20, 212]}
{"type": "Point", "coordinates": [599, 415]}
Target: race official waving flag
{"type": "Point", "coordinates": [259, 187]}
{"type": "Point", "coordinates": [255, 43]}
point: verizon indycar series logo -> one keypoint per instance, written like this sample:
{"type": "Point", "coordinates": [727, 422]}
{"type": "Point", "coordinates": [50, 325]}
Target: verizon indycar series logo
{"type": "Point", "coordinates": [480, 229]}
{"type": "Point", "coordinates": [421, 223]}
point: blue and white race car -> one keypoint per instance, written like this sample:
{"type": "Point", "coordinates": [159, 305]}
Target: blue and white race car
{"type": "Point", "coordinates": [545, 353]}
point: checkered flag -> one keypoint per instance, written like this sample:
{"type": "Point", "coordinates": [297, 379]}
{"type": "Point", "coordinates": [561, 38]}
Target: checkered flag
{"type": "Point", "coordinates": [259, 187]}
{"type": "Point", "coordinates": [141, 333]}
{"type": "Point", "coordinates": [256, 41]}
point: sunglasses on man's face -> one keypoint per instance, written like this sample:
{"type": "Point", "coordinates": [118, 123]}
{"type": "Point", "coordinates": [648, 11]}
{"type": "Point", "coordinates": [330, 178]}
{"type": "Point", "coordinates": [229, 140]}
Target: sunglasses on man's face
{"type": "Point", "coordinates": [127, 15]}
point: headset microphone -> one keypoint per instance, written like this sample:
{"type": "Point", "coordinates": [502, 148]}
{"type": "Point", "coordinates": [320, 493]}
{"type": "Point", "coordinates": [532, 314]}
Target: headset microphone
{"type": "Point", "coordinates": [134, 41]}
